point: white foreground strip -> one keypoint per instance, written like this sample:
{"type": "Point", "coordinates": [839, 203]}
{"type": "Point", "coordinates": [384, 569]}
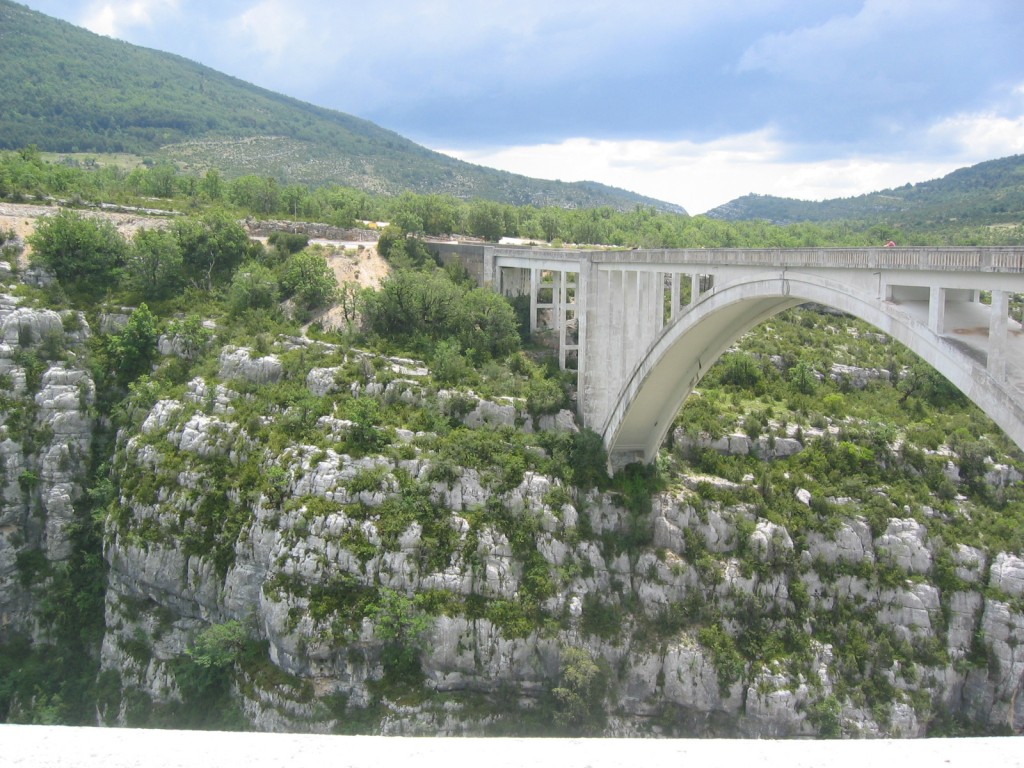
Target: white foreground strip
{"type": "Point", "coordinates": [57, 747]}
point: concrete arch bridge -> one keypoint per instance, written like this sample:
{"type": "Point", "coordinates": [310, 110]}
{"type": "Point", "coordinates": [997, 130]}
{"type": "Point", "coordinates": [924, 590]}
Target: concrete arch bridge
{"type": "Point", "coordinates": [643, 326]}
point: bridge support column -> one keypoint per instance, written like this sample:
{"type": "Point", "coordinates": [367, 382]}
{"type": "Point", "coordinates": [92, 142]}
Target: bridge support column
{"type": "Point", "coordinates": [652, 306]}
{"type": "Point", "coordinates": [937, 310]}
{"type": "Point", "coordinates": [561, 311]}
{"type": "Point", "coordinates": [534, 289]}
{"type": "Point", "coordinates": [631, 318]}
{"type": "Point", "coordinates": [694, 287]}
{"type": "Point", "coordinates": [490, 276]}
{"type": "Point", "coordinates": [675, 295]}
{"type": "Point", "coordinates": [997, 335]}
{"type": "Point", "coordinates": [588, 333]}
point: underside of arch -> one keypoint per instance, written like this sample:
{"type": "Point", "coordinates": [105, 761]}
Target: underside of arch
{"type": "Point", "coordinates": [687, 348]}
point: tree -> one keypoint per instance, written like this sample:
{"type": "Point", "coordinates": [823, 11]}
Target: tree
{"type": "Point", "coordinates": [252, 287]}
{"type": "Point", "coordinates": [85, 254]}
{"type": "Point", "coordinates": [288, 242]}
{"type": "Point", "coordinates": [212, 185]}
{"type": "Point", "coordinates": [259, 194]}
{"type": "Point", "coordinates": [309, 279]}
{"type": "Point", "coordinates": [219, 645]}
{"type": "Point", "coordinates": [160, 180]}
{"type": "Point", "coordinates": [211, 247]}
{"type": "Point", "coordinates": [487, 220]}
{"type": "Point", "coordinates": [419, 305]}
{"type": "Point", "coordinates": [190, 336]}
{"type": "Point", "coordinates": [487, 324]}
{"type": "Point", "coordinates": [581, 692]}
{"type": "Point", "coordinates": [403, 628]}
{"type": "Point", "coordinates": [133, 350]}
{"type": "Point", "coordinates": [155, 266]}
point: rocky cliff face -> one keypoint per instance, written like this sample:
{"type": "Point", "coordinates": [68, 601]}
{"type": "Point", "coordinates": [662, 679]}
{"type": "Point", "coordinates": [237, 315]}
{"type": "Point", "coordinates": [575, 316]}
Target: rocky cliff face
{"type": "Point", "coordinates": [46, 434]}
{"type": "Point", "coordinates": [398, 581]}
{"type": "Point", "coordinates": [310, 537]}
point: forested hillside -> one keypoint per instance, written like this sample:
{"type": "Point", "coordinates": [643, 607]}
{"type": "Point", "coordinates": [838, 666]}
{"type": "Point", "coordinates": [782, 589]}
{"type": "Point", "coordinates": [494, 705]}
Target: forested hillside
{"type": "Point", "coordinates": [68, 90]}
{"type": "Point", "coordinates": [990, 193]}
{"type": "Point", "coordinates": [217, 514]}
{"type": "Point", "coordinates": [25, 175]}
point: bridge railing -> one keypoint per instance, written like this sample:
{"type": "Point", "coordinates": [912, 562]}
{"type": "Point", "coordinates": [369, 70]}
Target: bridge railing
{"type": "Point", "coordinates": [988, 259]}
{"type": "Point", "coordinates": [997, 259]}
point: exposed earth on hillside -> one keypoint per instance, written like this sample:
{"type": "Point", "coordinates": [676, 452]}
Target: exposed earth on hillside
{"type": "Point", "coordinates": [22, 220]}
{"type": "Point", "coordinates": [359, 264]}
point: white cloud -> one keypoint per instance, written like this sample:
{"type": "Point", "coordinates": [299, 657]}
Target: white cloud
{"type": "Point", "coordinates": [275, 28]}
{"type": "Point", "coordinates": [880, 28]}
{"type": "Point", "coordinates": [701, 176]}
{"type": "Point", "coordinates": [111, 18]}
{"type": "Point", "coordinates": [977, 136]}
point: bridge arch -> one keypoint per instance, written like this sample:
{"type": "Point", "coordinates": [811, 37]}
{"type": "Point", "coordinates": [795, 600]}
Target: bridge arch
{"type": "Point", "coordinates": [685, 350]}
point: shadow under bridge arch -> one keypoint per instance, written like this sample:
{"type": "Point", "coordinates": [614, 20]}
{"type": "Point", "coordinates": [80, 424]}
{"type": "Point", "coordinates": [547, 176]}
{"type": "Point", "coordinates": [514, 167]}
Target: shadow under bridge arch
{"type": "Point", "coordinates": [686, 349]}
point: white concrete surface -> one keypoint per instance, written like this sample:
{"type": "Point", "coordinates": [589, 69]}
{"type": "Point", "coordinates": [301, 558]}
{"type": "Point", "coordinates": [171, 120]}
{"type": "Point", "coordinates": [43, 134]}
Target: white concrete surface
{"type": "Point", "coordinates": [56, 747]}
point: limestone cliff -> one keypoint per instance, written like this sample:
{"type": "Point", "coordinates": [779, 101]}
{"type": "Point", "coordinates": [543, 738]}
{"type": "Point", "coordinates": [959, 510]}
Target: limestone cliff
{"type": "Point", "coordinates": [301, 536]}
{"type": "Point", "coordinates": [46, 434]}
{"type": "Point", "coordinates": [309, 536]}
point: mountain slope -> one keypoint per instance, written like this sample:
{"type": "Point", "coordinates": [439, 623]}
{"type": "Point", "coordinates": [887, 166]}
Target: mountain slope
{"type": "Point", "coordinates": [66, 89]}
{"type": "Point", "coordinates": [987, 193]}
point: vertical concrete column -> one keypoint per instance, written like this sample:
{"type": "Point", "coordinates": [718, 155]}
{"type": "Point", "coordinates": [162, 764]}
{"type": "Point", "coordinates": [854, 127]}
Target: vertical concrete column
{"type": "Point", "coordinates": [560, 311]}
{"type": "Point", "coordinates": [675, 292]}
{"type": "Point", "coordinates": [616, 339]}
{"type": "Point", "coordinates": [694, 287]}
{"type": "Point", "coordinates": [652, 305]}
{"type": "Point", "coordinates": [492, 276]}
{"type": "Point", "coordinates": [534, 288]}
{"type": "Point", "coordinates": [997, 335]}
{"type": "Point", "coordinates": [630, 330]}
{"type": "Point", "coordinates": [659, 294]}
{"type": "Point", "coordinates": [592, 314]}
{"type": "Point", "coordinates": [937, 310]}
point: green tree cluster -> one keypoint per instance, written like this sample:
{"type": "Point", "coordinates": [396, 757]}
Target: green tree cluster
{"type": "Point", "coordinates": [85, 254]}
{"type": "Point", "coordinates": [423, 307]}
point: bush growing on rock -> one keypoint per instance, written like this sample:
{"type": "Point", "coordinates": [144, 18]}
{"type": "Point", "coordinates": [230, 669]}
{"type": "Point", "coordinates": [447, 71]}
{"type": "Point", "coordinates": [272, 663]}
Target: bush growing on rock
{"type": "Point", "coordinates": [85, 254]}
{"type": "Point", "coordinates": [309, 280]}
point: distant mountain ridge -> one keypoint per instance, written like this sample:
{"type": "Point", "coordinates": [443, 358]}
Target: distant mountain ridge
{"type": "Point", "coordinates": [65, 89]}
{"type": "Point", "coordinates": [991, 192]}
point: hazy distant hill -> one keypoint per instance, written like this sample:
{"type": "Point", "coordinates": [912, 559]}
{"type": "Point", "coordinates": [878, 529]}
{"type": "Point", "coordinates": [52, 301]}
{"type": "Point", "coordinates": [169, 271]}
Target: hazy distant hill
{"type": "Point", "coordinates": [988, 193]}
{"type": "Point", "coordinates": [65, 89]}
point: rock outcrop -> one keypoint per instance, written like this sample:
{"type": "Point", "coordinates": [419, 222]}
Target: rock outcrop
{"type": "Point", "coordinates": [46, 433]}
{"type": "Point", "coordinates": [510, 569]}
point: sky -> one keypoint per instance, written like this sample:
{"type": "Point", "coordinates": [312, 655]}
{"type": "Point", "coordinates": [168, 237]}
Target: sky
{"type": "Point", "coordinates": [694, 102]}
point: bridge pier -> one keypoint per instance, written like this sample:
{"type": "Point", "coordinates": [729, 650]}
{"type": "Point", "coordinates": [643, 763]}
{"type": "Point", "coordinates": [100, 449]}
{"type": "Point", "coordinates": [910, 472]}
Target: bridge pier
{"type": "Point", "coordinates": [997, 335]}
{"type": "Point", "coordinates": [937, 310]}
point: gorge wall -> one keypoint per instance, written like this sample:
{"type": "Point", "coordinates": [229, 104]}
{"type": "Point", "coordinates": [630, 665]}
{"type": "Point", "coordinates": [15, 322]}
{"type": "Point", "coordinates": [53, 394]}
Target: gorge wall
{"type": "Point", "coordinates": [281, 557]}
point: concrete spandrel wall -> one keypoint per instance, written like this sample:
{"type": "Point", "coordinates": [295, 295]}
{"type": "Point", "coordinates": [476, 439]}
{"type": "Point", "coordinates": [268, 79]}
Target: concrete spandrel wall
{"type": "Point", "coordinates": [470, 255]}
{"type": "Point", "coordinates": [24, 746]}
